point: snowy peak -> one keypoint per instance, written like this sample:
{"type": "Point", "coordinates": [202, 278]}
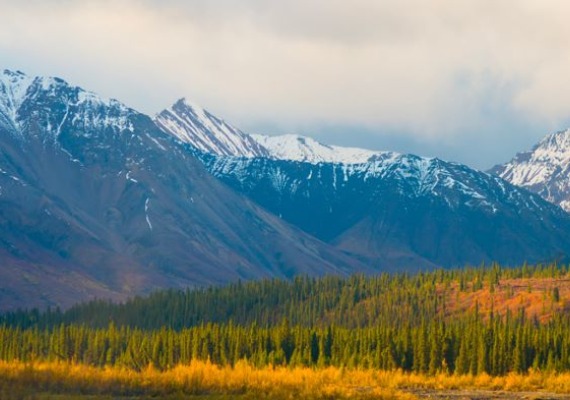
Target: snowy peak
{"type": "Point", "coordinates": [558, 142]}
{"type": "Point", "coordinates": [194, 125]}
{"type": "Point", "coordinates": [54, 103]}
{"type": "Point", "coordinates": [545, 169]}
{"type": "Point", "coordinates": [306, 149]}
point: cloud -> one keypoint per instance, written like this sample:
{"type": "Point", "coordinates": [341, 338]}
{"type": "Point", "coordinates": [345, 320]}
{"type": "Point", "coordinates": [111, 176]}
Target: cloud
{"type": "Point", "coordinates": [433, 71]}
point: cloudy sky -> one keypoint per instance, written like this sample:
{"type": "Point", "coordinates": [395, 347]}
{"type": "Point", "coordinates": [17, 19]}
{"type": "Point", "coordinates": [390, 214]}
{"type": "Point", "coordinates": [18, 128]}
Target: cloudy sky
{"type": "Point", "coordinates": [473, 81]}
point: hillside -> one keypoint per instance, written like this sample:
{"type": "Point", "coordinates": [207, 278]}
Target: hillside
{"type": "Point", "coordinates": [359, 301]}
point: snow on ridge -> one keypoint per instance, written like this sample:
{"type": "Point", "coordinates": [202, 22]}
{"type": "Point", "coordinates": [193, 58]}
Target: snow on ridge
{"type": "Point", "coordinates": [417, 175]}
{"type": "Point", "coordinates": [302, 148]}
{"type": "Point", "coordinates": [411, 175]}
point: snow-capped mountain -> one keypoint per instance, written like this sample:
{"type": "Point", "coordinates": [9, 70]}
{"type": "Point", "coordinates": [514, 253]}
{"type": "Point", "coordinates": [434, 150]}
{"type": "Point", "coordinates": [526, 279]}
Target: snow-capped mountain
{"type": "Point", "coordinates": [95, 200]}
{"type": "Point", "coordinates": [545, 169]}
{"type": "Point", "coordinates": [404, 210]}
{"type": "Point", "coordinates": [194, 125]}
{"type": "Point", "coordinates": [389, 209]}
{"type": "Point", "coordinates": [209, 134]}
{"type": "Point", "coordinates": [302, 148]}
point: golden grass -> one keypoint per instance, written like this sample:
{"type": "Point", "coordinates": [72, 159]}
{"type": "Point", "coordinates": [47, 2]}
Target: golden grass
{"type": "Point", "coordinates": [196, 379]}
{"type": "Point", "coordinates": [532, 382]}
{"type": "Point", "coordinates": [206, 380]}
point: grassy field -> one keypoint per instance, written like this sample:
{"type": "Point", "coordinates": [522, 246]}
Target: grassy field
{"type": "Point", "coordinates": [202, 380]}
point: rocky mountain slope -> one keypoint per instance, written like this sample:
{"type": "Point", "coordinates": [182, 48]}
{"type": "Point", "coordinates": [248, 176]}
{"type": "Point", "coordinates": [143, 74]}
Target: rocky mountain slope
{"type": "Point", "coordinates": [404, 211]}
{"type": "Point", "coordinates": [95, 200]}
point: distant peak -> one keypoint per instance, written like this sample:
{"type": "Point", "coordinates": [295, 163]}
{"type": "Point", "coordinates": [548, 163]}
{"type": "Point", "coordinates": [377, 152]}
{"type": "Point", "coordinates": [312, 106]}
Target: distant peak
{"type": "Point", "coordinates": [52, 93]}
{"type": "Point", "coordinates": [184, 102]}
{"type": "Point", "coordinates": [560, 139]}
{"type": "Point", "coordinates": [543, 169]}
{"type": "Point", "coordinates": [194, 125]}
{"type": "Point", "coordinates": [10, 77]}
{"type": "Point", "coordinates": [9, 72]}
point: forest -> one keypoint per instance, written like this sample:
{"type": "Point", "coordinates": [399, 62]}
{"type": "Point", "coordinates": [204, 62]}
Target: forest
{"type": "Point", "coordinates": [484, 320]}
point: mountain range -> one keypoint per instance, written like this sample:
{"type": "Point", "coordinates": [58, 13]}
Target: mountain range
{"type": "Point", "coordinates": [390, 210]}
{"type": "Point", "coordinates": [100, 200]}
{"type": "Point", "coordinates": [96, 201]}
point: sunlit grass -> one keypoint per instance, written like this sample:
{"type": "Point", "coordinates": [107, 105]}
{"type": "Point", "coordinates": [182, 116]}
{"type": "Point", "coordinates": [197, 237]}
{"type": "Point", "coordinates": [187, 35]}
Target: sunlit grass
{"type": "Point", "coordinates": [203, 380]}
{"type": "Point", "coordinates": [196, 379]}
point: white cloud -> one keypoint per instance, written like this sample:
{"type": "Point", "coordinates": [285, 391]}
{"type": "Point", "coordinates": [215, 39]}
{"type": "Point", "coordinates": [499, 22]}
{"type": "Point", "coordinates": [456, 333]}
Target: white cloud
{"type": "Point", "coordinates": [425, 67]}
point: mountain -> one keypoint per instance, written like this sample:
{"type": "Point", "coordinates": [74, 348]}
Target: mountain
{"type": "Point", "coordinates": [545, 169]}
{"type": "Point", "coordinates": [387, 209]}
{"type": "Point", "coordinates": [404, 211]}
{"type": "Point", "coordinates": [95, 200]}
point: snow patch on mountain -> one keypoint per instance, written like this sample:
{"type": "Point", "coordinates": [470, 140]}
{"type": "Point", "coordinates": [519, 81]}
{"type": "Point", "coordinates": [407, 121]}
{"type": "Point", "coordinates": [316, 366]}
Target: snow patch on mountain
{"type": "Point", "coordinates": [146, 213]}
{"type": "Point", "coordinates": [302, 148]}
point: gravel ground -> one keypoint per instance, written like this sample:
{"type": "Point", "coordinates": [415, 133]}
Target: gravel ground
{"type": "Point", "coordinates": [486, 394]}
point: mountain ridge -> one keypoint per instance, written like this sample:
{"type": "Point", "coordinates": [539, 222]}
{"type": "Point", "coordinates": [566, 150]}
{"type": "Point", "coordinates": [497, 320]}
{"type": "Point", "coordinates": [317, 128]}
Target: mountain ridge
{"type": "Point", "coordinates": [409, 207]}
{"type": "Point", "coordinates": [198, 127]}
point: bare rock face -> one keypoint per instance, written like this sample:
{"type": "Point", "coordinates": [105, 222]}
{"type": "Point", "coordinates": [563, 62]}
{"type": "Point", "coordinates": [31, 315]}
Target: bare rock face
{"type": "Point", "coordinates": [96, 201]}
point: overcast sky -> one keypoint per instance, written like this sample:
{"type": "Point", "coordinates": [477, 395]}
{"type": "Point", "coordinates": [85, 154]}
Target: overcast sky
{"type": "Point", "coordinates": [473, 81]}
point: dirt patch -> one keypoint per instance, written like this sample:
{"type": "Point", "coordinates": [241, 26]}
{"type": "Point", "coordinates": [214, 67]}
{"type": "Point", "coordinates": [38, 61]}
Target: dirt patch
{"type": "Point", "coordinates": [484, 395]}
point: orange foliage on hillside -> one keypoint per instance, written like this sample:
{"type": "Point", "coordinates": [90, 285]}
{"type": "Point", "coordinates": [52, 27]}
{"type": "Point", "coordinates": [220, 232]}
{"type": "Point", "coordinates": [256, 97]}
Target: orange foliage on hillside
{"type": "Point", "coordinates": [539, 297]}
